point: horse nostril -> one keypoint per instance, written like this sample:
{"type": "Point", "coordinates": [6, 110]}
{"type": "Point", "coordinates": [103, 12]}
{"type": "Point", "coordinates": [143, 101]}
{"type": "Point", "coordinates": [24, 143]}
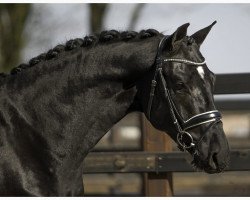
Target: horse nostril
{"type": "Point", "coordinates": [213, 161]}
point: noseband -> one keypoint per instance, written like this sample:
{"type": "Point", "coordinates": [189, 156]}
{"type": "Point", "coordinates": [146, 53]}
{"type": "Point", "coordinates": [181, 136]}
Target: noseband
{"type": "Point", "coordinates": [181, 125]}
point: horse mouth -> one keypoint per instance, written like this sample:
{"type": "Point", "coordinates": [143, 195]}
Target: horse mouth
{"type": "Point", "coordinates": [211, 165]}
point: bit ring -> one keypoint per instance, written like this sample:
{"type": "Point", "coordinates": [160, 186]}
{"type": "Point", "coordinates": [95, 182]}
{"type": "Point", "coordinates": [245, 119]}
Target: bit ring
{"type": "Point", "coordinates": [182, 143]}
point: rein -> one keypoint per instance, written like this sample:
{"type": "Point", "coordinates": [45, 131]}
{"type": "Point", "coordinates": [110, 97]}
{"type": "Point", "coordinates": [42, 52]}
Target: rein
{"type": "Point", "coordinates": [181, 125]}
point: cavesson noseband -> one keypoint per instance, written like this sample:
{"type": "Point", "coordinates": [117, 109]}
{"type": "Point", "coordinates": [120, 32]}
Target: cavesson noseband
{"type": "Point", "coordinates": [181, 125]}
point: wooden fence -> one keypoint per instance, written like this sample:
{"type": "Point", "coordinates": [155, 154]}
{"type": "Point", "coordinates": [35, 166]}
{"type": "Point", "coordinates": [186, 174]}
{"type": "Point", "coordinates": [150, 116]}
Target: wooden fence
{"type": "Point", "coordinates": [156, 161]}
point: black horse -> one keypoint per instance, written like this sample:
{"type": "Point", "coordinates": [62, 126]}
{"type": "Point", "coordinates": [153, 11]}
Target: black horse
{"type": "Point", "coordinates": [56, 108]}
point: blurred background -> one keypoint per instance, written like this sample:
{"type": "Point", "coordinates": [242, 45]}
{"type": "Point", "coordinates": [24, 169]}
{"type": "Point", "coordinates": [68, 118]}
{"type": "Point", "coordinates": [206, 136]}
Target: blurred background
{"type": "Point", "coordinates": [27, 30]}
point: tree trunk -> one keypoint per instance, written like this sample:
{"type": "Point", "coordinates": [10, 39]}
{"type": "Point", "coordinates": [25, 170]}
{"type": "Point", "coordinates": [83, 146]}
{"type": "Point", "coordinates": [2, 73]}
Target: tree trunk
{"type": "Point", "coordinates": [97, 12]}
{"type": "Point", "coordinates": [135, 15]}
{"type": "Point", "coordinates": [12, 23]}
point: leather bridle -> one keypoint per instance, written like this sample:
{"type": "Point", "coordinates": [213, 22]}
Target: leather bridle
{"type": "Point", "coordinates": [184, 138]}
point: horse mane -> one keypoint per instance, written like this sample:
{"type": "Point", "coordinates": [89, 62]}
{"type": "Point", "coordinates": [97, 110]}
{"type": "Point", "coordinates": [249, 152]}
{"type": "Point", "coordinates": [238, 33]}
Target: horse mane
{"type": "Point", "coordinates": [104, 37]}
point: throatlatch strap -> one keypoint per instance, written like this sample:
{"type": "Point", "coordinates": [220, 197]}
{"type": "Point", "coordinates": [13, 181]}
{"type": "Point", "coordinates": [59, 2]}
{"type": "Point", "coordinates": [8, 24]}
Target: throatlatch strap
{"type": "Point", "coordinates": [158, 64]}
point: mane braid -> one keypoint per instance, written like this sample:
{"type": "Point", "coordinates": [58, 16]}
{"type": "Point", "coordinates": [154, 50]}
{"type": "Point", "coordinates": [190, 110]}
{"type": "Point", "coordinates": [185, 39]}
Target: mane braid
{"type": "Point", "coordinates": [88, 41]}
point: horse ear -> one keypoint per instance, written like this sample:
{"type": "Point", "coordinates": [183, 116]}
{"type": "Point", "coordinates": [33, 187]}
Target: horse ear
{"type": "Point", "coordinates": [174, 41]}
{"type": "Point", "coordinates": [200, 35]}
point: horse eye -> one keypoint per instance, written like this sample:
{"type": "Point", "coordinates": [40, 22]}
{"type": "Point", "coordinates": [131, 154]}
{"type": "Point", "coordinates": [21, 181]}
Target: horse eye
{"type": "Point", "coordinates": [179, 85]}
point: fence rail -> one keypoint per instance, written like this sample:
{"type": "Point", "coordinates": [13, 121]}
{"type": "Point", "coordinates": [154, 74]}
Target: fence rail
{"type": "Point", "coordinates": [233, 105]}
{"type": "Point", "coordinates": [139, 162]}
{"type": "Point", "coordinates": [232, 83]}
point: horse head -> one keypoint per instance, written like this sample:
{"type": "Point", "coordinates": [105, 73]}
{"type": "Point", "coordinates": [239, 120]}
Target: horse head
{"type": "Point", "coordinates": [180, 100]}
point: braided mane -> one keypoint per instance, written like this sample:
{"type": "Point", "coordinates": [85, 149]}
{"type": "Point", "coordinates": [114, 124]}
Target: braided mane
{"type": "Point", "coordinates": [87, 41]}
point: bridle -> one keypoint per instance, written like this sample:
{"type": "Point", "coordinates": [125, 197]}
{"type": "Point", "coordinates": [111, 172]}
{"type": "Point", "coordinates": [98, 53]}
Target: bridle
{"type": "Point", "coordinates": [181, 125]}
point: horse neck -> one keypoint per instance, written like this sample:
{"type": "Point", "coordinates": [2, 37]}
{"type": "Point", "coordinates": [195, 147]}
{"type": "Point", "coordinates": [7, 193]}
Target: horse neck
{"type": "Point", "coordinates": [73, 101]}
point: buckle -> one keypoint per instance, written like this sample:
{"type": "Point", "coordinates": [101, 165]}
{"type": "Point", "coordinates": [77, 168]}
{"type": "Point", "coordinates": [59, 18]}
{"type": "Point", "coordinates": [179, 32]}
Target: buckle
{"type": "Point", "coordinates": [185, 140]}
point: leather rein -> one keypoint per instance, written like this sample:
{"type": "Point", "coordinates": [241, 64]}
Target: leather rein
{"type": "Point", "coordinates": [181, 125]}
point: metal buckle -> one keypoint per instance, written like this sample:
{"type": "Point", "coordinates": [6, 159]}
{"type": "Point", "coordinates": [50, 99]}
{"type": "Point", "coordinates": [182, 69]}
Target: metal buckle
{"type": "Point", "coordinates": [182, 136]}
